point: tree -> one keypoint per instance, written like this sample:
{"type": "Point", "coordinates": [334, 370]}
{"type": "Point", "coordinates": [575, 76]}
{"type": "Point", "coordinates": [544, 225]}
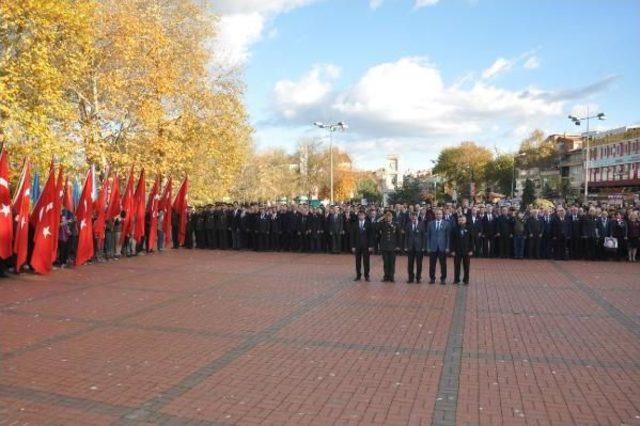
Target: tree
{"type": "Point", "coordinates": [463, 164]}
{"type": "Point", "coordinates": [538, 151]}
{"type": "Point", "coordinates": [410, 193]}
{"type": "Point", "coordinates": [367, 188]}
{"type": "Point", "coordinates": [499, 173]}
{"type": "Point", "coordinates": [528, 193]}
{"type": "Point", "coordinates": [44, 46]}
{"type": "Point", "coordinates": [121, 83]}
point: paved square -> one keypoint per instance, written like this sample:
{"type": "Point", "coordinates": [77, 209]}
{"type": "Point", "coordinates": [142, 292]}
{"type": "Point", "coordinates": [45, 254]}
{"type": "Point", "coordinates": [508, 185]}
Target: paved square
{"type": "Point", "coordinates": [211, 337]}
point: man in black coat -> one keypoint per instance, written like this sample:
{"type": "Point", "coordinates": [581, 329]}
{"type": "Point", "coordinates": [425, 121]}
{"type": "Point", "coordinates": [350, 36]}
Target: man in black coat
{"type": "Point", "coordinates": [575, 243]}
{"type": "Point", "coordinates": [489, 233]}
{"type": "Point", "coordinates": [533, 228]}
{"type": "Point", "coordinates": [362, 240]}
{"type": "Point", "coordinates": [474, 225]}
{"type": "Point", "coordinates": [589, 234]}
{"type": "Point", "coordinates": [504, 228]}
{"type": "Point", "coordinates": [461, 249]}
{"type": "Point", "coordinates": [561, 231]}
{"type": "Point", "coordinates": [415, 244]}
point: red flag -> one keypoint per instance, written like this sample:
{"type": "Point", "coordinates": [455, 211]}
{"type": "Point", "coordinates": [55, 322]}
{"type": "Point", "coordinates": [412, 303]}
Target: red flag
{"type": "Point", "coordinates": [57, 208]}
{"type": "Point", "coordinates": [6, 218]}
{"type": "Point", "coordinates": [139, 209]}
{"type": "Point", "coordinates": [84, 215]}
{"type": "Point", "coordinates": [21, 207]}
{"type": "Point", "coordinates": [165, 206]}
{"type": "Point", "coordinates": [37, 208]}
{"type": "Point", "coordinates": [152, 210]}
{"type": "Point", "coordinates": [180, 207]}
{"type": "Point", "coordinates": [101, 210]}
{"type": "Point", "coordinates": [127, 206]}
{"type": "Point", "coordinates": [67, 197]}
{"type": "Point", "coordinates": [45, 221]}
{"type": "Point", "coordinates": [113, 208]}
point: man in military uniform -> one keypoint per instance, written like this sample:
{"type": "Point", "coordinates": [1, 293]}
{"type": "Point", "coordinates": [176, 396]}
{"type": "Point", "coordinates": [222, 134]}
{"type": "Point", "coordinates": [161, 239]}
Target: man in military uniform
{"type": "Point", "coordinates": [388, 246]}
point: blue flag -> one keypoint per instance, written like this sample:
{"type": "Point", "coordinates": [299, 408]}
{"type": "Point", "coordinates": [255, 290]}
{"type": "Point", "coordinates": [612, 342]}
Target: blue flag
{"type": "Point", "coordinates": [35, 188]}
{"type": "Point", "coordinates": [76, 191]}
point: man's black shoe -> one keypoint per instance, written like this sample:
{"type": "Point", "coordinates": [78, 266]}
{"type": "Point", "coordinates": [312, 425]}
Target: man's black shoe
{"type": "Point", "coordinates": [466, 282]}
{"type": "Point", "coordinates": [432, 281]}
{"type": "Point", "coordinates": [443, 282]}
{"type": "Point", "coordinates": [456, 282]}
{"type": "Point", "coordinates": [409, 281]}
{"type": "Point", "coordinates": [357, 278]}
{"type": "Point", "coordinates": [418, 281]}
{"type": "Point", "coordinates": [366, 279]}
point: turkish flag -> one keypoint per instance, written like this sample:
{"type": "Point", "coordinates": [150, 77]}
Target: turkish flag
{"type": "Point", "coordinates": [139, 209]}
{"type": "Point", "coordinates": [180, 207]}
{"type": "Point", "coordinates": [127, 207]}
{"type": "Point", "coordinates": [84, 215]}
{"type": "Point", "coordinates": [57, 208]}
{"type": "Point", "coordinates": [45, 221]}
{"type": "Point", "coordinates": [152, 211]}
{"type": "Point", "coordinates": [21, 207]}
{"type": "Point", "coordinates": [67, 197]}
{"type": "Point", "coordinates": [6, 217]}
{"type": "Point", "coordinates": [113, 208]}
{"type": "Point", "coordinates": [101, 210]}
{"type": "Point", "coordinates": [165, 206]}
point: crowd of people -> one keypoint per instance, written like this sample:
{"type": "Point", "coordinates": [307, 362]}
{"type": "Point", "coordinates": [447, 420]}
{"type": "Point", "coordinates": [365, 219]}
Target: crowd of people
{"type": "Point", "coordinates": [561, 233]}
{"type": "Point", "coordinates": [593, 232]}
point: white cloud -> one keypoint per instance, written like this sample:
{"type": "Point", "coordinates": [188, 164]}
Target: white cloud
{"type": "Point", "coordinates": [242, 24]}
{"type": "Point", "coordinates": [294, 97]}
{"type": "Point", "coordinates": [424, 3]}
{"type": "Point", "coordinates": [236, 34]}
{"type": "Point", "coordinates": [501, 65]}
{"type": "Point", "coordinates": [532, 63]}
{"type": "Point", "coordinates": [406, 107]}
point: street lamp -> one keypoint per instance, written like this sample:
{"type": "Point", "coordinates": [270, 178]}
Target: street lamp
{"type": "Point", "coordinates": [577, 121]}
{"type": "Point", "coordinates": [341, 126]}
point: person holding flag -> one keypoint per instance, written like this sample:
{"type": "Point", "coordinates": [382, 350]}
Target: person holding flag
{"type": "Point", "coordinates": [180, 215]}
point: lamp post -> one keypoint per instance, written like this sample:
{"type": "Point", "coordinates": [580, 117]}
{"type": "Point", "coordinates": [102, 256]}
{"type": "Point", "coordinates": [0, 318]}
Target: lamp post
{"type": "Point", "coordinates": [577, 121]}
{"type": "Point", "coordinates": [341, 126]}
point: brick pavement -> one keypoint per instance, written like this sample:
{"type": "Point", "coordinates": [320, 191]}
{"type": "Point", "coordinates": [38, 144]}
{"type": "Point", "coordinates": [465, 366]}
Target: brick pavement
{"type": "Point", "coordinates": [211, 338]}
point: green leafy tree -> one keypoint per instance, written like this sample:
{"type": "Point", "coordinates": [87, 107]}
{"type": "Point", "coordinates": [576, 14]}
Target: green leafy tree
{"type": "Point", "coordinates": [499, 173]}
{"type": "Point", "coordinates": [528, 193]}
{"type": "Point", "coordinates": [538, 151]}
{"type": "Point", "coordinates": [462, 165]}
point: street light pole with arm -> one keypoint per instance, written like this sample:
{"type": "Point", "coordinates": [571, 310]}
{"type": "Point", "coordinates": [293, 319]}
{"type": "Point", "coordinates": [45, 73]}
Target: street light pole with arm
{"type": "Point", "coordinates": [577, 121]}
{"type": "Point", "coordinates": [342, 126]}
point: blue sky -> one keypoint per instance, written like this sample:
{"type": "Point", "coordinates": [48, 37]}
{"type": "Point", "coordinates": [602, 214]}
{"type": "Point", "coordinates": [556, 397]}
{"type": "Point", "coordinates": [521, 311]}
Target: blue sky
{"type": "Point", "coordinates": [413, 76]}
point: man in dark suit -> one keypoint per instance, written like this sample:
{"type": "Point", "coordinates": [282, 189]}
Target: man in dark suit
{"type": "Point", "coordinates": [546, 243]}
{"type": "Point", "coordinates": [414, 246]}
{"type": "Point", "coordinates": [462, 249]}
{"type": "Point", "coordinates": [489, 233]}
{"type": "Point", "coordinates": [589, 234]}
{"type": "Point", "coordinates": [336, 228]}
{"type": "Point", "coordinates": [504, 228]}
{"type": "Point", "coordinates": [533, 230]}
{"type": "Point", "coordinates": [575, 244]}
{"type": "Point", "coordinates": [561, 231]}
{"type": "Point", "coordinates": [362, 239]}
{"type": "Point", "coordinates": [604, 230]}
{"type": "Point", "coordinates": [438, 240]}
{"type": "Point", "coordinates": [474, 225]}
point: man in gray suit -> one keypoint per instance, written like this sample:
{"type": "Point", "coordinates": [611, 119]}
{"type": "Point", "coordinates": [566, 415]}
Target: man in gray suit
{"type": "Point", "coordinates": [438, 239]}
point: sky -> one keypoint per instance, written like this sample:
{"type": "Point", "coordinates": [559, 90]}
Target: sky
{"type": "Point", "coordinates": [411, 77]}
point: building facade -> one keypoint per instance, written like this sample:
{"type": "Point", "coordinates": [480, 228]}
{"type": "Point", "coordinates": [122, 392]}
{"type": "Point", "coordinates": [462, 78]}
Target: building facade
{"type": "Point", "coordinates": [614, 163]}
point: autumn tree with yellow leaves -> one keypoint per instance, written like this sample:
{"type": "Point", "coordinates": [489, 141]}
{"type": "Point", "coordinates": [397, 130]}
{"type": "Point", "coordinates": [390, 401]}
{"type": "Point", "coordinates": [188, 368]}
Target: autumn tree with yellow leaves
{"type": "Point", "coordinates": [121, 84]}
